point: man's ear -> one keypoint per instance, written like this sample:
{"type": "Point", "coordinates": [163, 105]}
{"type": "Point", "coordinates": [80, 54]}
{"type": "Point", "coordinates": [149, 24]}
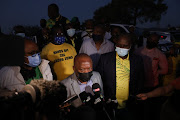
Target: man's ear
{"type": "Point", "coordinates": [74, 68]}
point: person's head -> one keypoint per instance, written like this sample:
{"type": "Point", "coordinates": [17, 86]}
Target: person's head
{"type": "Point", "coordinates": [131, 29]}
{"type": "Point", "coordinates": [98, 33]}
{"type": "Point", "coordinates": [152, 41]}
{"type": "Point", "coordinates": [89, 24]}
{"type": "Point", "coordinates": [123, 45]}
{"type": "Point", "coordinates": [43, 23]}
{"type": "Point", "coordinates": [32, 57]}
{"type": "Point", "coordinates": [75, 22]}
{"type": "Point", "coordinates": [53, 11]}
{"type": "Point", "coordinates": [70, 30]}
{"type": "Point", "coordinates": [19, 30]}
{"type": "Point", "coordinates": [83, 67]}
{"type": "Point", "coordinates": [115, 33]}
{"type": "Point", "coordinates": [57, 35]}
{"type": "Point", "coordinates": [104, 20]}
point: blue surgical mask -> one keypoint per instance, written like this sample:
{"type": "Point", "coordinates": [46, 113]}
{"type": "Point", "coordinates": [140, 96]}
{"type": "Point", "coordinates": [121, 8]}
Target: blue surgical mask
{"type": "Point", "coordinates": [122, 51]}
{"type": "Point", "coordinates": [59, 40]}
{"type": "Point", "coordinates": [34, 60]}
{"type": "Point", "coordinates": [71, 32]}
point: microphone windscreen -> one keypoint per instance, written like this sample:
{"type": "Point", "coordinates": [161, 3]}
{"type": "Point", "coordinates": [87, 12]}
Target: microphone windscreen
{"type": "Point", "coordinates": [41, 89]}
{"type": "Point", "coordinates": [88, 89]}
{"type": "Point", "coordinates": [96, 89]}
{"type": "Point", "coordinates": [83, 96]}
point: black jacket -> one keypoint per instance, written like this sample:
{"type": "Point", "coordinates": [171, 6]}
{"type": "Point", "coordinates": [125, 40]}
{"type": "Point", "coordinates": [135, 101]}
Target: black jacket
{"type": "Point", "coordinates": [107, 69]}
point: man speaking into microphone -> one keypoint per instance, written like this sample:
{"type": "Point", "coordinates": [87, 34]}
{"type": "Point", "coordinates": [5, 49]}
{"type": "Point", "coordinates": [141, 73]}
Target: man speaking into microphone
{"type": "Point", "coordinates": [82, 77]}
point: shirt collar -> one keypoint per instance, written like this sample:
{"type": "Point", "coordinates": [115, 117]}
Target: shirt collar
{"type": "Point", "coordinates": [93, 43]}
{"type": "Point", "coordinates": [121, 58]}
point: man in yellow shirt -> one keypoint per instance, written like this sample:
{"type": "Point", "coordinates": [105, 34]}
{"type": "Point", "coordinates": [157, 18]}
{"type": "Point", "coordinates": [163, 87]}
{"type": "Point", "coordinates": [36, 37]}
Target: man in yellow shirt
{"type": "Point", "coordinates": [122, 74]}
{"type": "Point", "coordinates": [60, 54]}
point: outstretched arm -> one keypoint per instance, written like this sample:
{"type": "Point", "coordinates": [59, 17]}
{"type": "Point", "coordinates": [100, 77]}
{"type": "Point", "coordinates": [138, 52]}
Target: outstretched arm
{"type": "Point", "coordinates": [157, 92]}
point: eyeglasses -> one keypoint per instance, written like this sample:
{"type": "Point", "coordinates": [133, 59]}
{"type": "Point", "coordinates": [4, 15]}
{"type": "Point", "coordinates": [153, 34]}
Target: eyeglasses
{"type": "Point", "coordinates": [59, 34]}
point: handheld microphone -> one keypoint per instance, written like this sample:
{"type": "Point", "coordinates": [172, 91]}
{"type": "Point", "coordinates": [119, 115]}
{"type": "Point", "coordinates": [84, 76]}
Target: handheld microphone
{"type": "Point", "coordinates": [97, 93]}
{"type": "Point", "coordinates": [99, 103]}
{"type": "Point", "coordinates": [112, 103]}
{"type": "Point", "coordinates": [88, 89]}
{"type": "Point", "coordinates": [86, 96]}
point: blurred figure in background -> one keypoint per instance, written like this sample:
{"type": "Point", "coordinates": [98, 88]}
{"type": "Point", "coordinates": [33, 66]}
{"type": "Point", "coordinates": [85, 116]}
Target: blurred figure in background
{"type": "Point", "coordinates": [155, 65]}
{"type": "Point", "coordinates": [89, 25]}
{"type": "Point", "coordinates": [72, 38]}
{"type": "Point", "coordinates": [55, 18]}
{"type": "Point", "coordinates": [42, 35]}
{"type": "Point", "coordinates": [19, 31]}
{"type": "Point", "coordinates": [173, 59]}
{"type": "Point", "coordinates": [170, 109]}
{"type": "Point", "coordinates": [96, 45]}
{"type": "Point", "coordinates": [115, 33]}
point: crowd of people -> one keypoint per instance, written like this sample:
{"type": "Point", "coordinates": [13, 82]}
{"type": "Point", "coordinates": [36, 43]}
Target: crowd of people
{"type": "Point", "coordinates": [134, 75]}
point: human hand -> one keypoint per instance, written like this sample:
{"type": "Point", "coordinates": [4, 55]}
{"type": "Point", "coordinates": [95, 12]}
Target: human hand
{"type": "Point", "coordinates": [142, 96]}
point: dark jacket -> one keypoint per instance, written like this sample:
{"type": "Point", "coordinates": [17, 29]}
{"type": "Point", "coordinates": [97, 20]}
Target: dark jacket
{"type": "Point", "coordinates": [77, 41]}
{"type": "Point", "coordinates": [107, 69]}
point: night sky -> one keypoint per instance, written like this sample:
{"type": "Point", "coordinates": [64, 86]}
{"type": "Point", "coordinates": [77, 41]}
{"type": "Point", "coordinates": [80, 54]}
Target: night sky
{"type": "Point", "coordinates": [29, 12]}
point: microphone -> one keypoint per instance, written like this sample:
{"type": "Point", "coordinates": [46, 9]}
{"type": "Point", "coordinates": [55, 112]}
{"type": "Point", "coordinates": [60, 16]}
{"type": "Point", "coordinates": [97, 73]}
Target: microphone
{"type": "Point", "coordinates": [97, 93]}
{"type": "Point", "coordinates": [112, 103]}
{"type": "Point", "coordinates": [88, 89]}
{"type": "Point", "coordinates": [41, 89]}
{"type": "Point", "coordinates": [86, 96]}
{"type": "Point", "coordinates": [99, 103]}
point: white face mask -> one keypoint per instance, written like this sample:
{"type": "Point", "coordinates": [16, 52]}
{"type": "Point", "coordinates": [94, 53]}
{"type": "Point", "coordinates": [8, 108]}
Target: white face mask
{"type": "Point", "coordinates": [71, 32]}
{"type": "Point", "coordinates": [122, 51]}
{"type": "Point", "coordinates": [21, 34]}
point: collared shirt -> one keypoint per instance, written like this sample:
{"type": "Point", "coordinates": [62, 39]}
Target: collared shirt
{"type": "Point", "coordinates": [122, 80]}
{"type": "Point", "coordinates": [89, 47]}
{"type": "Point", "coordinates": [83, 86]}
{"type": "Point", "coordinates": [155, 63]}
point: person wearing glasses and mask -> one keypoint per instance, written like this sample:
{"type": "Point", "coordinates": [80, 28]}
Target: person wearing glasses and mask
{"type": "Point", "coordinates": [122, 74]}
{"type": "Point", "coordinates": [60, 54]}
{"type": "Point", "coordinates": [16, 77]}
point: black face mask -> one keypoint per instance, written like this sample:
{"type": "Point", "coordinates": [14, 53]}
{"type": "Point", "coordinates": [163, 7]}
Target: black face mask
{"type": "Point", "coordinates": [151, 45]}
{"type": "Point", "coordinates": [97, 37]}
{"type": "Point", "coordinates": [84, 77]}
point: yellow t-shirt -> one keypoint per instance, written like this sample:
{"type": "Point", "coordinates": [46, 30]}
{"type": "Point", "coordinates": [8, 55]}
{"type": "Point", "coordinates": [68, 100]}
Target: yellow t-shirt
{"type": "Point", "coordinates": [62, 58]}
{"type": "Point", "coordinates": [122, 80]}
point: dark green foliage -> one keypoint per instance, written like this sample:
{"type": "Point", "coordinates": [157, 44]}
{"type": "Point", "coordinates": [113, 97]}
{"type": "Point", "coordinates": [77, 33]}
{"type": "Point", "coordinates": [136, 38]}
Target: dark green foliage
{"type": "Point", "coordinates": [129, 11]}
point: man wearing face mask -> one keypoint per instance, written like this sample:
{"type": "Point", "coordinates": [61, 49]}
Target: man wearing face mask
{"type": "Point", "coordinates": [60, 54]}
{"type": "Point", "coordinates": [155, 64]}
{"type": "Point", "coordinates": [89, 25]}
{"type": "Point", "coordinates": [72, 38]}
{"type": "Point", "coordinates": [96, 45]}
{"type": "Point", "coordinates": [83, 76]}
{"type": "Point", "coordinates": [122, 76]}
{"type": "Point", "coordinates": [16, 77]}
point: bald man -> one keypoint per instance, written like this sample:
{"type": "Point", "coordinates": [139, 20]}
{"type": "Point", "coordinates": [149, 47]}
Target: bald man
{"type": "Point", "coordinates": [83, 76]}
{"type": "Point", "coordinates": [16, 77]}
